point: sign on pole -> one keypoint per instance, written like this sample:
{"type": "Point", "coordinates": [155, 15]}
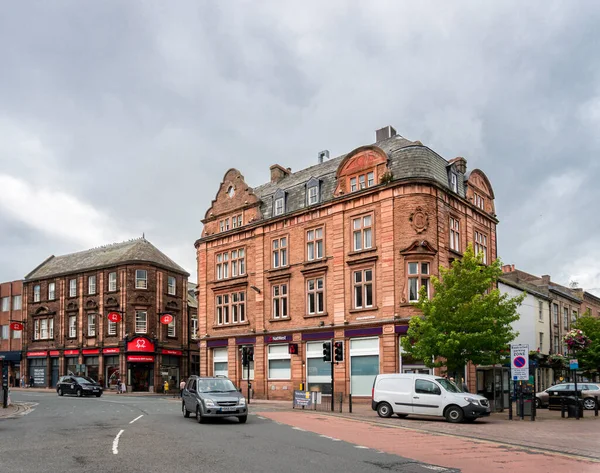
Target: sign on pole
{"type": "Point", "coordinates": [574, 364]}
{"type": "Point", "coordinates": [519, 362]}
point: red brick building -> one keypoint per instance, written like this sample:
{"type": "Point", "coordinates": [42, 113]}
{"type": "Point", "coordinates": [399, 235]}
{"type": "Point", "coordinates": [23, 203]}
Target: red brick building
{"type": "Point", "coordinates": [335, 251]}
{"type": "Point", "coordinates": [67, 300]}
{"type": "Point", "coordinates": [11, 340]}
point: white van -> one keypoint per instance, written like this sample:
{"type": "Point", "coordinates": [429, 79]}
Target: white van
{"type": "Point", "coordinates": [425, 395]}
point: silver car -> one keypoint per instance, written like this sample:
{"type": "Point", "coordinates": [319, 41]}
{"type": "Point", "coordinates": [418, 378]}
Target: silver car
{"type": "Point", "coordinates": [213, 397]}
{"type": "Point", "coordinates": [587, 392]}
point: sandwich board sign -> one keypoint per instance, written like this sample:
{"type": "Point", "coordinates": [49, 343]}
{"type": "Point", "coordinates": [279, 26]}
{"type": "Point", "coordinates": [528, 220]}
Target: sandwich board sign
{"type": "Point", "coordinates": [519, 362]}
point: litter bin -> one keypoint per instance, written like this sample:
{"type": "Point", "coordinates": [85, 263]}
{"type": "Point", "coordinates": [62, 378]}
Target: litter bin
{"type": "Point", "coordinates": [573, 404]}
{"type": "Point", "coordinates": [526, 407]}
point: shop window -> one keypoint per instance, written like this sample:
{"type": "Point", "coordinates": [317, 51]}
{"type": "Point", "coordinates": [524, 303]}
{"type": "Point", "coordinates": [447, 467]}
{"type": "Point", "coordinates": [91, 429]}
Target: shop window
{"type": "Point", "coordinates": [315, 296]}
{"type": "Point", "coordinates": [141, 279]}
{"type": "Point", "coordinates": [112, 281]}
{"type": "Point", "coordinates": [362, 233]}
{"type": "Point", "coordinates": [279, 362]}
{"type": "Point", "coordinates": [220, 361]}
{"type": "Point", "coordinates": [279, 251]}
{"type": "Point", "coordinates": [318, 372]}
{"type": "Point", "coordinates": [280, 301]}
{"type": "Point", "coordinates": [314, 244]}
{"type": "Point", "coordinates": [364, 365]}
{"type": "Point", "coordinates": [418, 277]}
{"type": "Point", "coordinates": [141, 321]}
{"type": "Point", "coordinates": [72, 287]}
{"type": "Point", "coordinates": [363, 288]}
{"type": "Point", "coordinates": [51, 291]}
{"type": "Point", "coordinates": [171, 286]}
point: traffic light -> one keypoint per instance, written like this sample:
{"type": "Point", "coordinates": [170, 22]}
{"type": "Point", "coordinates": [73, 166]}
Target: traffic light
{"type": "Point", "coordinates": [293, 348]}
{"type": "Point", "coordinates": [250, 353]}
{"type": "Point", "coordinates": [326, 351]}
{"type": "Point", "coordinates": [338, 351]}
{"type": "Point", "coordinates": [244, 356]}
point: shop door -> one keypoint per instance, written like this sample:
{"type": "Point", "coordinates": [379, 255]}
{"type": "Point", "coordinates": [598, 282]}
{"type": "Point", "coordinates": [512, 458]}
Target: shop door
{"type": "Point", "coordinates": [140, 377]}
{"type": "Point", "coordinates": [54, 372]}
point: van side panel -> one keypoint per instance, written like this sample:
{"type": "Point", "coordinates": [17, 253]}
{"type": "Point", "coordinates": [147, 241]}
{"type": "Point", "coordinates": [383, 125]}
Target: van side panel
{"type": "Point", "coordinates": [397, 392]}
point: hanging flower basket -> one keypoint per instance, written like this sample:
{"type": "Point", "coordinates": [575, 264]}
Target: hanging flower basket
{"type": "Point", "coordinates": [535, 355]}
{"type": "Point", "coordinates": [557, 360]}
{"type": "Point", "coordinates": [576, 340]}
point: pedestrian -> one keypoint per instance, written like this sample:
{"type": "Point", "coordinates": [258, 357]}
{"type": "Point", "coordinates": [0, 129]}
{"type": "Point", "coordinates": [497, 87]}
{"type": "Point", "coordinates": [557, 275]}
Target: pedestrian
{"type": "Point", "coordinates": [181, 387]}
{"type": "Point", "coordinates": [123, 387]}
{"type": "Point", "coordinates": [119, 386]}
{"type": "Point", "coordinates": [166, 387]}
{"type": "Point", "coordinates": [31, 381]}
{"type": "Point", "coordinates": [22, 381]}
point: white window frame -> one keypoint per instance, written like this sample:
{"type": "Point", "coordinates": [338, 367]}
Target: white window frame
{"type": "Point", "coordinates": [454, 182]}
{"type": "Point", "coordinates": [72, 326]}
{"type": "Point", "coordinates": [51, 291]}
{"type": "Point", "coordinates": [92, 285]}
{"type": "Point", "coordinates": [481, 245]}
{"type": "Point", "coordinates": [37, 293]}
{"type": "Point", "coordinates": [312, 292]}
{"type": "Point", "coordinates": [354, 351]}
{"type": "Point", "coordinates": [220, 355]}
{"type": "Point", "coordinates": [36, 329]}
{"type": "Point", "coordinates": [141, 321]}
{"type": "Point", "coordinates": [91, 325]}
{"type": "Point", "coordinates": [278, 352]}
{"type": "Point", "coordinates": [141, 279]}
{"type": "Point", "coordinates": [72, 287]}
{"type": "Point", "coordinates": [171, 285]}
{"type": "Point", "coordinates": [279, 206]}
{"type": "Point", "coordinates": [313, 195]}
{"type": "Point", "coordinates": [17, 302]}
{"type": "Point", "coordinates": [172, 329]}
{"type": "Point", "coordinates": [280, 294]}
{"type": "Point", "coordinates": [279, 252]}
{"type": "Point", "coordinates": [315, 243]}
{"type": "Point", "coordinates": [363, 284]}
{"type": "Point", "coordinates": [362, 232]}
{"type": "Point", "coordinates": [5, 304]}
{"type": "Point", "coordinates": [194, 328]}
{"type": "Point", "coordinates": [418, 278]}
{"type": "Point", "coordinates": [112, 281]}
{"type": "Point", "coordinates": [111, 328]}
{"type": "Point", "coordinates": [455, 234]}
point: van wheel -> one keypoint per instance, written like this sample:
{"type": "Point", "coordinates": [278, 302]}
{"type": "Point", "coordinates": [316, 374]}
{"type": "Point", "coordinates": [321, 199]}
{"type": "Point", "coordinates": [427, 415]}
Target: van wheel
{"type": "Point", "coordinates": [454, 414]}
{"type": "Point", "coordinates": [402, 416]}
{"type": "Point", "coordinates": [186, 413]}
{"type": "Point", "coordinates": [384, 409]}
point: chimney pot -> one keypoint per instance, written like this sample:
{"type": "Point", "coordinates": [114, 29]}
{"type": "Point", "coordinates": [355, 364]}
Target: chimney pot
{"type": "Point", "coordinates": [323, 155]}
{"type": "Point", "coordinates": [384, 133]}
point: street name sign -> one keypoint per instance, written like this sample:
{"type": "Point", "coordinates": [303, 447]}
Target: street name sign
{"type": "Point", "coordinates": [519, 362]}
{"type": "Point", "coordinates": [574, 364]}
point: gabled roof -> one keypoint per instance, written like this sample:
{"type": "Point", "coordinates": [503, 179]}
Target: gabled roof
{"type": "Point", "coordinates": [525, 286]}
{"type": "Point", "coordinates": [134, 251]}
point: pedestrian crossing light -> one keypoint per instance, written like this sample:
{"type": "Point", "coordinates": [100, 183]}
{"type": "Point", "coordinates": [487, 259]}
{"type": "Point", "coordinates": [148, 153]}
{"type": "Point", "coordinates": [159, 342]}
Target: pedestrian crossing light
{"type": "Point", "coordinates": [250, 354]}
{"type": "Point", "coordinates": [293, 348]}
{"type": "Point", "coordinates": [327, 351]}
{"type": "Point", "coordinates": [338, 351]}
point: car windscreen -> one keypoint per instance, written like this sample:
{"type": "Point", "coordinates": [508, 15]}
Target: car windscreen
{"type": "Point", "coordinates": [448, 385]}
{"type": "Point", "coordinates": [81, 380]}
{"type": "Point", "coordinates": [215, 386]}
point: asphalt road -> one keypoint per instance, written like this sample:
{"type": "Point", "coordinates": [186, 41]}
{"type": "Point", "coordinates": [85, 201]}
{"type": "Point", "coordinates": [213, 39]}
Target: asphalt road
{"type": "Point", "coordinates": [150, 434]}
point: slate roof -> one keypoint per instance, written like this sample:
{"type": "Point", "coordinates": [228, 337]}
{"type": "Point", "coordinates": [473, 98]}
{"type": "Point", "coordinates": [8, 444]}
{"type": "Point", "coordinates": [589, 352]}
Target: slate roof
{"type": "Point", "coordinates": [191, 299]}
{"type": "Point", "coordinates": [406, 160]}
{"type": "Point", "coordinates": [525, 286]}
{"type": "Point", "coordinates": [138, 250]}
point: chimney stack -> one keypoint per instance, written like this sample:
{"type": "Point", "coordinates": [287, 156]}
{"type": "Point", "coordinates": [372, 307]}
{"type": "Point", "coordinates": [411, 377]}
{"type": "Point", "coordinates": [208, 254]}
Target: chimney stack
{"type": "Point", "coordinates": [545, 280]}
{"type": "Point", "coordinates": [384, 133]}
{"type": "Point", "coordinates": [323, 155]}
{"type": "Point", "coordinates": [508, 268]}
{"type": "Point", "coordinates": [460, 164]}
{"type": "Point", "coordinates": [279, 172]}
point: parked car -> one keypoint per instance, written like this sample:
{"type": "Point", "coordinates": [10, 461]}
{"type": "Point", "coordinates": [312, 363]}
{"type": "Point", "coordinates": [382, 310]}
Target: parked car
{"type": "Point", "coordinates": [587, 392]}
{"type": "Point", "coordinates": [78, 385]}
{"type": "Point", "coordinates": [425, 395]}
{"type": "Point", "coordinates": [213, 397]}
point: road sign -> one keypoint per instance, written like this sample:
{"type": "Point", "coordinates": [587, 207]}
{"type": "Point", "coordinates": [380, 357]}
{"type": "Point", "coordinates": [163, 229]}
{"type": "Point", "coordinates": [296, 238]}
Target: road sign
{"type": "Point", "coordinates": [166, 319]}
{"type": "Point", "coordinates": [114, 317]}
{"type": "Point", "coordinates": [574, 364]}
{"type": "Point", "coordinates": [519, 362]}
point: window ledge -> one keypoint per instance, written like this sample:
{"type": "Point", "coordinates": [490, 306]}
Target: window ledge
{"type": "Point", "coordinates": [366, 309]}
{"type": "Point", "coordinates": [279, 274]}
{"type": "Point", "coordinates": [315, 316]}
{"type": "Point", "coordinates": [363, 259]}
{"type": "Point", "coordinates": [362, 252]}
{"type": "Point", "coordinates": [455, 252]}
{"type": "Point", "coordinates": [239, 281]}
{"type": "Point", "coordinates": [239, 324]}
{"type": "Point", "coordinates": [280, 319]}
{"type": "Point", "coordinates": [279, 268]}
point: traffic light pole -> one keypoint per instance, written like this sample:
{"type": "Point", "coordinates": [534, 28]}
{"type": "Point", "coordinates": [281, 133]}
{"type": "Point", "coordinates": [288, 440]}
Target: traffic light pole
{"type": "Point", "coordinates": [248, 370]}
{"type": "Point", "coordinates": [332, 379]}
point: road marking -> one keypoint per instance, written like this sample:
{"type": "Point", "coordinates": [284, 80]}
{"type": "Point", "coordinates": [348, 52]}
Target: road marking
{"type": "Point", "coordinates": [139, 417]}
{"type": "Point", "coordinates": [263, 418]}
{"type": "Point", "coordinates": [360, 446]}
{"type": "Point", "coordinates": [298, 428]}
{"type": "Point", "coordinates": [116, 443]}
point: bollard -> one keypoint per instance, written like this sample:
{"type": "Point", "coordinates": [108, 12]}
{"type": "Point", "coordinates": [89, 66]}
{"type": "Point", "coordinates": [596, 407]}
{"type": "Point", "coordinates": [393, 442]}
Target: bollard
{"type": "Point", "coordinates": [350, 404]}
{"type": "Point", "coordinates": [562, 407]}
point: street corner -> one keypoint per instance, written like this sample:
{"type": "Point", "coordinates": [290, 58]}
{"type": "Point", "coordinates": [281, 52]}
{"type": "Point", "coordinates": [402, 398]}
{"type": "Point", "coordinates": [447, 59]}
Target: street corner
{"type": "Point", "coordinates": [17, 409]}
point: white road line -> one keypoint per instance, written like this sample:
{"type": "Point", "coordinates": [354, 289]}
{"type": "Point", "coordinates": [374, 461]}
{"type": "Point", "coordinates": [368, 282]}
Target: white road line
{"type": "Point", "coordinates": [360, 446]}
{"type": "Point", "coordinates": [298, 428]}
{"type": "Point", "coordinates": [139, 417]}
{"type": "Point", "coordinates": [116, 443]}
{"type": "Point", "coordinates": [260, 417]}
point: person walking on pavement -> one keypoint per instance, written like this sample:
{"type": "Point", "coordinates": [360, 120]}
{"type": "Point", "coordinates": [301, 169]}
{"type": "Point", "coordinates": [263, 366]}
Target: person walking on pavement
{"type": "Point", "coordinates": [123, 387]}
{"type": "Point", "coordinates": [31, 381]}
{"type": "Point", "coordinates": [119, 386]}
{"type": "Point", "coordinates": [181, 387]}
{"type": "Point", "coordinates": [166, 387]}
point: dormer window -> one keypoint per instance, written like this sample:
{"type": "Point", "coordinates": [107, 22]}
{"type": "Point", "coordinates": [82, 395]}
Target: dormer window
{"type": "Point", "coordinates": [279, 203]}
{"type": "Point", "coordinates": [362, 181]}
{"type": "Point", "coordinates": [312, 194]}
{"type": "Point", "coordinates": [454, 182]}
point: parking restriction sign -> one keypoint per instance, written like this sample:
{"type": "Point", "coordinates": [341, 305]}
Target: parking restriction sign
{"type": "Point", "coordinates": [519, 362]}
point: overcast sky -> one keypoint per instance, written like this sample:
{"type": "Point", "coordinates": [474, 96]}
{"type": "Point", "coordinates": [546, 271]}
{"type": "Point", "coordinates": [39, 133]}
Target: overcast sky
{"type": "Point", "coordinates": [118, 118]}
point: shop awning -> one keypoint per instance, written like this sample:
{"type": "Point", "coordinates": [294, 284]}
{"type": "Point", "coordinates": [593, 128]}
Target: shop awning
{"type": "Point", "coordinates": [10, 355]}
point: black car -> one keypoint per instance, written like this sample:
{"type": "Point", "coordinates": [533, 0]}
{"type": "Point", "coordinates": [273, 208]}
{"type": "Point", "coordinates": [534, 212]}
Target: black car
{"type": "Point", "coordinates": [78, 385]}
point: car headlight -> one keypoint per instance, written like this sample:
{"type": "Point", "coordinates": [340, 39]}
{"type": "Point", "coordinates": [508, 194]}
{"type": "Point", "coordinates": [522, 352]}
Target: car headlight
{"type": "Point", "coordinates": [209, 403]}
{"type": "Point", "coordinates": [242, 401]}
{"type": "Point", "coordinates": [472, 400]}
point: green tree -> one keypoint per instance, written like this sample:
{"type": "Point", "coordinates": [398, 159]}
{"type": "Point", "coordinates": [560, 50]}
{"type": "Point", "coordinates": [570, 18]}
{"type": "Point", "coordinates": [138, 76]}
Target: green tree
{"type": "Point", "coordinates": [589, 358]}
{"type": "Point", "coordinates": [466, 319]}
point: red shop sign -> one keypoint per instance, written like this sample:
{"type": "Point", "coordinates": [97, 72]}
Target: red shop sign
{"type": "Point", "coordinates": [172, 352]}
{"type": "Point", "coordinates": [166, 319]}
{"type": "Point", "coordinates": [140, 358]}
{"type": "Point", "coordinates": [16, 326]}
{"type": "Point", "coordinates": [31, 354]}
{"type": "Point", "coordinates": [92, 351]}
{"type": "Point", "coordinates": [54, 353]}
{"type": "Point", "coordinates": [142, 344]}
{"type": "Point", "coordinates": [114, 317]}
{"type": "Point", "coordinates": [109, 351]}
{"type": "Point", "coordinates": [71, 352]}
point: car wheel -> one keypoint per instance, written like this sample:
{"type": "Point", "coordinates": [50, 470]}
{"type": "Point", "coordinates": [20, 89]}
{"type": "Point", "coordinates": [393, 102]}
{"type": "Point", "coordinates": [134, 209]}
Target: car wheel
{"type": "Point", "coordinates": [243, 419]}
{"type": "Point", "coordinates": [538, 403]}
{"type": "Point", "coordinates": [186, 413]}
{"type": "Point", "coordinates": [199, 417]}
{"type": "Point", "coordinates": [79, 393]}
{"type": "Point", "coordinates": [384, 409]}
{"type": "Point", "coordinates": [60, 391]}
{"type": "Point", "coordinates": [589, 403]}
{"type": "Point", "coordinates": [402, 416]}
{"type": "Point", "coordinates": [99, 394]}
{"type": "Point", "coordinates": [454, 414]}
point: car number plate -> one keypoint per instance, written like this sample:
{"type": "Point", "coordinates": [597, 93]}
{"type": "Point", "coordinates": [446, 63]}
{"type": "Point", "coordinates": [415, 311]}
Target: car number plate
{"type": "Point", "coordinates": [225, 409]}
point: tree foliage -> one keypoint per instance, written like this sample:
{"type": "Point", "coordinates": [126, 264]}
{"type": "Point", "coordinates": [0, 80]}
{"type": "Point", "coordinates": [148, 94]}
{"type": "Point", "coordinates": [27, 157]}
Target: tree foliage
{"type": "Point", "coordinates": [466, 319]}
{"type": "Point", "coordinates": [589, 357]}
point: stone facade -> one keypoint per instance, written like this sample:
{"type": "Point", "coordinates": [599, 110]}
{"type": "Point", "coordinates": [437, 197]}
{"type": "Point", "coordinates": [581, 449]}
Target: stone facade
{"type": "Point", "coordinates": [401, 198]}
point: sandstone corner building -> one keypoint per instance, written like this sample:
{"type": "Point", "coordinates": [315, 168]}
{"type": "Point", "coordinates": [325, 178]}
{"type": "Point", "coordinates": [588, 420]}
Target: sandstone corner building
{"type": "Point", "coordinates": [335, 251]}
{"type": "Point", "coordinates": [67, 300]}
